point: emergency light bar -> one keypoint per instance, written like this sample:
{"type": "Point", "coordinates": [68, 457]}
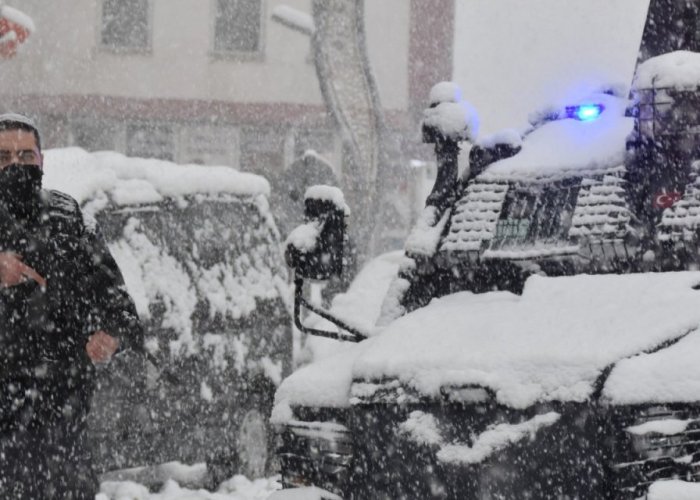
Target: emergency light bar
{"type": "Point", "coordinates": [584, 112]}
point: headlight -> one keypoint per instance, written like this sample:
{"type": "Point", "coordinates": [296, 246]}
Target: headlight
{"type": "Point", "coordinates": [316, 453]}
{"type": "Point", "coordinates": [664, 443]}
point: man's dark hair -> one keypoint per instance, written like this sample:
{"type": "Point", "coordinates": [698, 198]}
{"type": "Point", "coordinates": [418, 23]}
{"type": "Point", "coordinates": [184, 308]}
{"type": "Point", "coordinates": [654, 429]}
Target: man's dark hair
{"type": "Point", "coordinates": [15, 121]}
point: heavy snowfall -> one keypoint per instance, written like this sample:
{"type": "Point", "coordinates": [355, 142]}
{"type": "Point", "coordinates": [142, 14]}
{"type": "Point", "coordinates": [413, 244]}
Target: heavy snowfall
{"type": "Point", "coordinates": [512, 191]}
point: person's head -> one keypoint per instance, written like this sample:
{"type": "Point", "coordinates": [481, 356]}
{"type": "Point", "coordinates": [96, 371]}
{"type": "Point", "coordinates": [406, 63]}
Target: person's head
{"type": "Point", "coordinates": [21, 164]}
{"type": "Point", "coordinates": [20, 143]}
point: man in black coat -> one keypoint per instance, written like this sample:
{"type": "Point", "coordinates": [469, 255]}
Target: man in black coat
{"type": "Point", "coordinates": [63, 309]}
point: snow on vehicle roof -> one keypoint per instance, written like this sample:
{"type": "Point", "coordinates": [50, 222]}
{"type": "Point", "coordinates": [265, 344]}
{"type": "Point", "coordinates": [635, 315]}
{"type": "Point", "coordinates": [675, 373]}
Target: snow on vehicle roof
{"type": "Point", "coordinates": [551, 343]}
{"type": "Point", "coordinates": [679, 70]}
{"type": "Point", "coordinates": [568, 146]}
{"type": "Point", "coordinates": [128, 181]}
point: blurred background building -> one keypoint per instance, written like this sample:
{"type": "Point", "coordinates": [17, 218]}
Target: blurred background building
{"type": "Point", "coordinates": [211, 81]}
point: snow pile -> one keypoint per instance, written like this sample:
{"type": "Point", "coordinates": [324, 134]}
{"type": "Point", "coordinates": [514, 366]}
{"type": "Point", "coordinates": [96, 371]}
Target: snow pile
{"type": "Point", "coordinates": [360, 306]}
{"type": "Point", "coordinates": [421, 428]}
{"type": "Point", "coordinates": [327, 381]}
{"type": "Point", "coordinates": [550, 344]}
{"type": "Point", "coordinates": [457, 121]}
{"type": "Point", "coordinates": [445, 92]}
{"type": "Point", "coordinates": [237, 488]}
{"type": "Point", "coordinates": [507, 136]}
{"type": "Point", "coordinates": [153, 275]}
{"type": "Point", "coordinates": [305, 493]}
{"type": "Point", "coordinates": [679, 70]}
{"type": "Point", "coordinates": [568, 147]}
{"type": "Point", "coordinates": [86, 176]}
{"type": "Point", "coordinates": [425, 236]}
{"type": "Point", "coordinates": [18, 17]}
{"type": "Point", "coordinates": [670, 375]}
{"type": "Point", "coordinates": [328, 193]}
{"type": "Point", "coordinates": [666, 427]}
{"type": "Point", "coordinates": [494, 439]}
{"type": "Point", "coordinates": [673, 490]}
{"type": "Point", "coordinates": [294, 18]}
{"type": "Point", "coordinates": [324, 383]}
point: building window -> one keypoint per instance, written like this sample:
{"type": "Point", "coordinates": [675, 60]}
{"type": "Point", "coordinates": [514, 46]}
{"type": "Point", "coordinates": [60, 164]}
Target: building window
{"type": "Point", "coordinates": [125, 25]}
{"type": "Point", "coordinates": [238, 27]}
{"type": "Point", "coordinates": [150, 141]}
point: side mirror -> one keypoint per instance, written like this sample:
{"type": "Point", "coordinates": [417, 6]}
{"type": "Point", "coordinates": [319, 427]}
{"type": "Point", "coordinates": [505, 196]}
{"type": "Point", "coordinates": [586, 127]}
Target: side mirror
{"type": "Point", "coordinates": [315, 251]}
{"type": "Point", "coordinates": [315, 248]}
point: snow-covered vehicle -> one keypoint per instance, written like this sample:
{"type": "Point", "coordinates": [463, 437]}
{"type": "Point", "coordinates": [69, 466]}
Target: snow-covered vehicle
{"type": "Point", "coordinates": [541, 337]}
{"type": "Point", "coordinates": [200, 255]}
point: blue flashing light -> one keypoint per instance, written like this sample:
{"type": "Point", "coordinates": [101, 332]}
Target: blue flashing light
{"type": "Point", "coordinates": [585, 112]}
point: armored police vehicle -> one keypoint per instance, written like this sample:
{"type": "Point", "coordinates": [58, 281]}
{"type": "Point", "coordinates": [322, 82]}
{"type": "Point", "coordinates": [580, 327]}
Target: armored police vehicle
{"type": "Point", "coordinates": [542, 335]}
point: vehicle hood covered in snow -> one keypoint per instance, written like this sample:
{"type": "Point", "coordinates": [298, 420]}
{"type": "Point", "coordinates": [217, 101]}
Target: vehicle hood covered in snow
{"type": "Point", "coordinates": [550, 344]}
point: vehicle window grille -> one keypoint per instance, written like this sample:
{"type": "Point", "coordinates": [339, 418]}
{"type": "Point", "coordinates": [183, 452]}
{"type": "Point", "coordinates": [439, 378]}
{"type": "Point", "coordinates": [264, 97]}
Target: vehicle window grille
{"type": "Point", "coordinates": [536, 214]}
{"type": "Point", "coordinates": [664, 112]}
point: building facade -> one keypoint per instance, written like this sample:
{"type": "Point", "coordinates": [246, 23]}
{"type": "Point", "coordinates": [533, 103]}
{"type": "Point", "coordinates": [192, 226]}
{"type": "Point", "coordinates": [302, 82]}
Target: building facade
{"type": "Point", "coordinates": [210, 81]}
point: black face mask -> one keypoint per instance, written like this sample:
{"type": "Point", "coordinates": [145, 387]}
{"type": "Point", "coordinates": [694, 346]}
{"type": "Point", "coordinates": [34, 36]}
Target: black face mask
{"type": "Point", "coordinates": [20, 189]}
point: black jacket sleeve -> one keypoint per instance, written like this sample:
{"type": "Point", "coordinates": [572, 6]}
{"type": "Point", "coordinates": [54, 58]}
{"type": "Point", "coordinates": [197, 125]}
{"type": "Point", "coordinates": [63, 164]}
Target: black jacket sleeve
{"type": "Point", "coordinates": [111, 306]}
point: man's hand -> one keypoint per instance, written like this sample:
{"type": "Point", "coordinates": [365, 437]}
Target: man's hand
{"type": "Point", "coordinates": [13, 271]}
{"type": "Point", "coordinates": [101, 346]}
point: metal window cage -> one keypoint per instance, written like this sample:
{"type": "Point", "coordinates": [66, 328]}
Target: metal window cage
{"type": "Point", "coordinates": [666, 112]}
{"type": "Point", "coordinates": [540, 214]}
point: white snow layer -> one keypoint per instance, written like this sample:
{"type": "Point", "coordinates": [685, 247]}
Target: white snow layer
{"type": "Point", "coordinates": [328, 193]}
{"type": "Point", "coordinates": [18, 17]}
{"type": "Point", "coordinates": [425, 235]}
{"type": "Point", "coordinates": [494, 439]}
{"type": "Point", "coordinates": [670, 375]}
{"type": "Point", "coordinates": [455, 120]}
{"type": "Point", "coordinates": [305, 493]}
{"type": "Point", "coordinates": [680, 70]}
{"type": "Point", "coordinates": [324, 383]}
{"type": "Point", "coordinates": [125, 180]}
{"type": "Point", "coordinates": [673, 490]}
{"type": "Point", "coordinates": [445, 92]}
{"type": "Point", "coordinates": [294, 18]}
{"type": "Point", "coordinates": [551, 343]}
{"type": "Point", "coordinates": [327, 380]}
{"type": "Point", "coordinates": [508, 136]}
{"type": "Point", "coordinates": [566, 146]}
{"type": "Point", "coordinates": [236, 488]}
{"type": "Point", "coordinates": [151, 273]}
{"type": "Point", "coordinates": [665, 427]}
{"type": "Point", "coordinates": [422, 428]}
{"type": "Point", "coordinates": [305, 236]}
